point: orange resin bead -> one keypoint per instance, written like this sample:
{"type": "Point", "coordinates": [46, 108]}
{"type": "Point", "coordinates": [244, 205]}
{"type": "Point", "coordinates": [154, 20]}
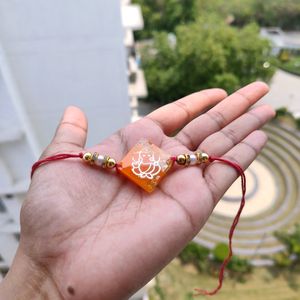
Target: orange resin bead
{"type": "Point", "coordinates": [146, 165]}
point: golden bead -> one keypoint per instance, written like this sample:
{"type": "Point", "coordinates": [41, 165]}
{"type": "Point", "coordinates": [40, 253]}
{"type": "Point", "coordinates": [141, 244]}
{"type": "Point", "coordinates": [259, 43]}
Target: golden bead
{"type": "Point", "coordinates": [110, 163]}
{"type": "Point", "coordinates": [199, 157]}
{"type": "Point", "coordinates": [204, 157]}
{"type": "Point", "coordinates": [87, 157]}
{"type": "Point", "coordinates": [181, 159]}
{"type": "Point", "coordinates": [188, 159]}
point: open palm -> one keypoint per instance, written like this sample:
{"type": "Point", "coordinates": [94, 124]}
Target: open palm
{"type": "Point", "coordinates": [98, 236]}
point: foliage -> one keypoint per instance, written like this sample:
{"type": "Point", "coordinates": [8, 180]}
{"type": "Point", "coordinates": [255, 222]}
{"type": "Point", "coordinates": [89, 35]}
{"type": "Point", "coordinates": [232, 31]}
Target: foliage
{"type": "Point", "coordinates": [207, 53]}
{"type": "Point", "coordinates": [263, 283]}
{"type": "Point", "coordinates": [282, 111]}
{"type": "Point", "coordinates": [284, 114]}
{"type": "Point", "coordinates": [291, 65]}
{"type": "Point", "coordinates": [196, 254]}
{"type": "Point", "coordinates": [284, 14]}
{"type": "Point", "coordinates": [209, 261]}
{"type": "Point", "coordinates": [220, 252]}
{"type": "Point", "coordinates": [292, 241]}
{"type": "Point", "coordinates": [276, 13]}
{"type": "Point", "coordinates": [282, 260]}
{"type": "Point", "coordinates": [291, 255]}
{"type": "Point", "coordinates": [164, 15]}
{"type": "Point", "coordinates": [297, 120]}
{"type": "Point", "coordinates": [239, 265]}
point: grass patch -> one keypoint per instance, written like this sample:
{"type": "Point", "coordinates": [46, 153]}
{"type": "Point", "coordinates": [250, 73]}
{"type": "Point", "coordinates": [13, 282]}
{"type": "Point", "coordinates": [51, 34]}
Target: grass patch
{"type": "Point", "coordinates": [292, 65]}
{"type": "Point", "coordinates": [177, 283]}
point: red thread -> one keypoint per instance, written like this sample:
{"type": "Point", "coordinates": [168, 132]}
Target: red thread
{"type": "Point", "coordinates": [239, 169]}
{"type": "Point", "coordinates": [53, 158]}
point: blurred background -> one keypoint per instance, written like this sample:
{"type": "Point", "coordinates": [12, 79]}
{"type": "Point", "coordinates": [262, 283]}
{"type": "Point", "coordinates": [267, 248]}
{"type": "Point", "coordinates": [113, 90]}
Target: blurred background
{"type": "Point", "coordinates": [120, 59]}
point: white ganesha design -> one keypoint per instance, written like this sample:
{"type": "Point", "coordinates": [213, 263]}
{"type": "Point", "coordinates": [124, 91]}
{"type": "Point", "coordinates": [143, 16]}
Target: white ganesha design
{"type": "Point", "coordinates": [146, 165]}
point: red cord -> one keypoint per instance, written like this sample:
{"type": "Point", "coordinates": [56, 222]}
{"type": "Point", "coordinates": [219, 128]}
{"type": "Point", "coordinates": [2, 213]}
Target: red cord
{"type": "Point", "coordinates": [232, 228]}
{"type": "Point", "coordinates": [53, 158]}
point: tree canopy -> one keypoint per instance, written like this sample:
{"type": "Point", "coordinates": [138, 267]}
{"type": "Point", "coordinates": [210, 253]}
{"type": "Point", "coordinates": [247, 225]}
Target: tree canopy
{"type": "Point", "coordinates": [276, 13]}
{"type": "Point", "coordinates": [202, 54]}
{"type": "Point", "coordinates": [167, 14]}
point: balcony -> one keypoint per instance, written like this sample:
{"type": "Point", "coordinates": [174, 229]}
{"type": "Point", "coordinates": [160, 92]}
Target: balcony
{"type": "Point", "coordinates": [132, 17]}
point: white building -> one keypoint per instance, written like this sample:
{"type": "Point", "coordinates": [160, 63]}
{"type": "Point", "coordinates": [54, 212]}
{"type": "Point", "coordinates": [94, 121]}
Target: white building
{"type": "Point", "coordinates": [133, 20]}
{"type": "Point", "coordinates": [281, 40]}
{"type": "Point", "coordinates": [54, 54]}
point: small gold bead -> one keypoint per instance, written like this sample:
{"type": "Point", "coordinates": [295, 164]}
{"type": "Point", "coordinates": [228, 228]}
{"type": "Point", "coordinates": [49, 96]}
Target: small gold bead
{"type": "Point", "coordinates": [199, 157]}
{"type": "Point", "coordinates": [204, 157]}
{"type": "Point", "coordinates": [181, 159]}
{"type": "Point", "coordinates": [110, 163]}
{"type": "Point", "coordinates": [188, 159]}
{"type": "Point", "coordinates": [87, 157]}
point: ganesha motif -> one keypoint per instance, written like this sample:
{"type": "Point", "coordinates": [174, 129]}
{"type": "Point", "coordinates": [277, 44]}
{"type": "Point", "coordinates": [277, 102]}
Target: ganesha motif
{"type": "Point", "coordinates": [146, 165]}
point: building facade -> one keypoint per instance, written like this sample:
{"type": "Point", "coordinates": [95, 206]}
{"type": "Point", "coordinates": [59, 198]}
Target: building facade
{"type": "Point", "coordinates": [54, 54]}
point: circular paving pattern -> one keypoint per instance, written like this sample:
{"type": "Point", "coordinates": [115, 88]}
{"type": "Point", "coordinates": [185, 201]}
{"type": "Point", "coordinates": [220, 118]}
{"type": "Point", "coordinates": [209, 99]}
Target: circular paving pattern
{"type": "Point", "coordinates": [273, 199]}
{"type": "Point", "coordinates": [234, 194]}
{"type": "Point", "coordinates": [261, 193]}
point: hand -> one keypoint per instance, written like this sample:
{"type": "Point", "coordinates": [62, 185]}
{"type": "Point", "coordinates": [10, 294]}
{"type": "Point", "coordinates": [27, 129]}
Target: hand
{"type": "Point", "coordinates": [92, 234]}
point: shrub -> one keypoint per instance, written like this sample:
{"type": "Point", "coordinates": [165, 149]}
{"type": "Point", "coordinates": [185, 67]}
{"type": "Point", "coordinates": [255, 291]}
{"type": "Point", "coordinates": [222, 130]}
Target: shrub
{"type": "Point", "coordinates": [291, 255]}
{"type": "Point", "coordinates": [239, 265]}
{"type": "Point", "coordinates": [220, 252]}
{"type": "Point", "coordinates": [195, 254]}
{"type": "Point", "coordinates": [282, 260]}
{"type": "Point", "coordinates": [282, 111]}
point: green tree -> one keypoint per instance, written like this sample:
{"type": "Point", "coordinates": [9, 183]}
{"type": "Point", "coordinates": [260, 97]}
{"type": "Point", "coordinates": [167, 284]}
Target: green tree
{"type": "Point", "coordinates": [278, 13]}
{"type": "Point", "coordinates": [164, 15]}
{"type": "Point", "coordinates": [207, 53]}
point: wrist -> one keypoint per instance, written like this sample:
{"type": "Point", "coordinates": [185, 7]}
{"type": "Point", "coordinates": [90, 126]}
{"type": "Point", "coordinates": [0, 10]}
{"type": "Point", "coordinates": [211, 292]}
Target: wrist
{"type": "Point", "coordinates": [27, 280]}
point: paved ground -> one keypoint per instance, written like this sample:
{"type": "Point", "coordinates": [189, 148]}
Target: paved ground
{"type": "Point", "coordinates": [285, 91]}
{"type": "Point", "coordinates": [261, 199]}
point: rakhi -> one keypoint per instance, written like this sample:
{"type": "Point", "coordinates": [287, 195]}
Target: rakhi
{"type": "Point", "coordinates": [146, 165]}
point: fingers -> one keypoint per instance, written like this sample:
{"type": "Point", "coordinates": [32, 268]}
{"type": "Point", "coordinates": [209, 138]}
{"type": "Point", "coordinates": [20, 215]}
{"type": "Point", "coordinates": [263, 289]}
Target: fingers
{"type": "Point", "coordinates": [221, 115]}
{"type": "Point", "coordinates": [175, 115]}
{"type": "Point", "coordinates": [71, 132]}
{"type": "Point", "coordinates": [223, 140]}
{"type": "Point", "coordinates": [220, 177]}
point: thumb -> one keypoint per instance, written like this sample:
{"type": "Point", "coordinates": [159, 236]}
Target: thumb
{"type": "Point", "coordinates": [71, 132]}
